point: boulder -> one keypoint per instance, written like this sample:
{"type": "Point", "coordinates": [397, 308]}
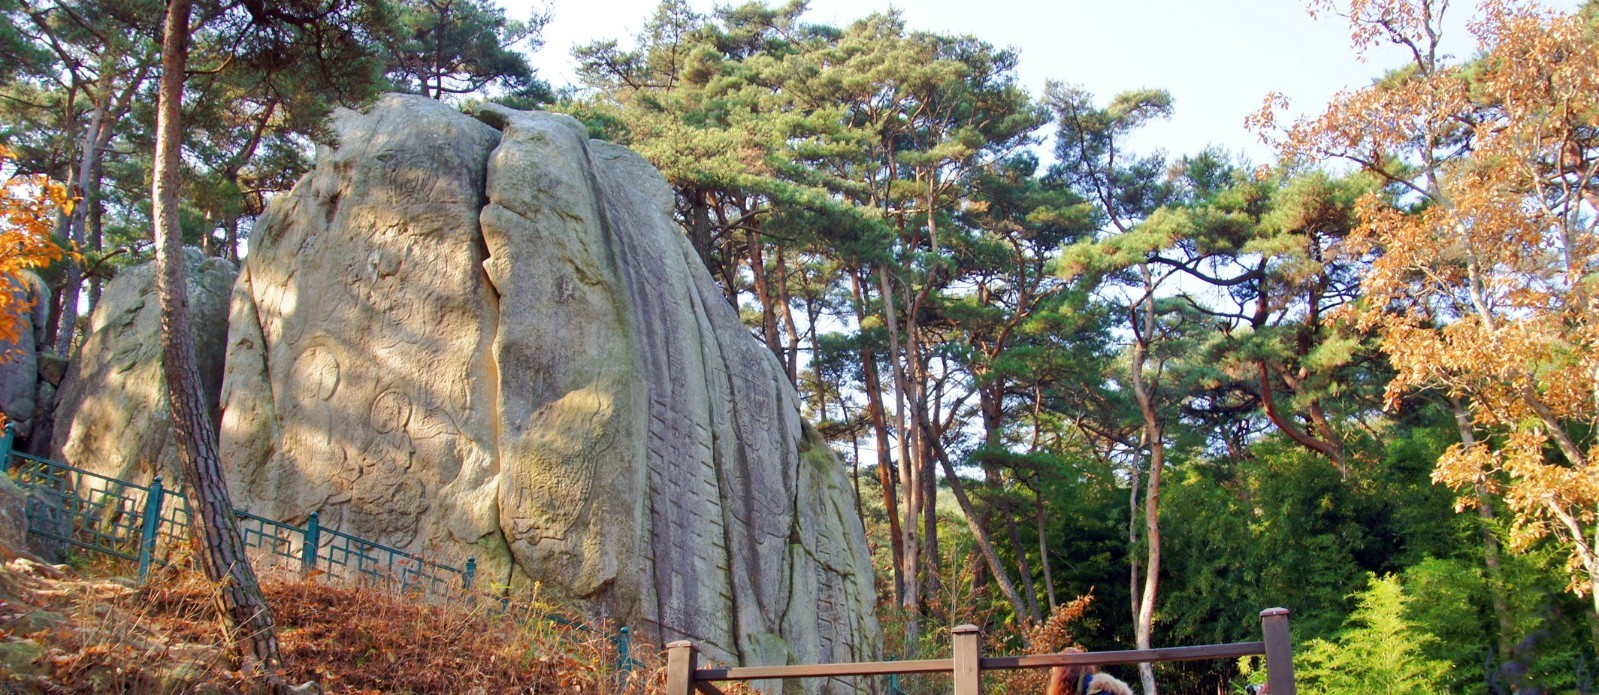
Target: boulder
{"type": "Point", "coordinates": [13, 520]}
{"type": "Point", "coordinates": [111, 412]}
{"type": "Point", "coordinates": [19, 359]}
{"type": "Point", "coordinates": [488, 338]}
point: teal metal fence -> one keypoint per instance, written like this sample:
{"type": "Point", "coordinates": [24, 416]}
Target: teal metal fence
{"type": "Point", "coordinates": [69, 507]}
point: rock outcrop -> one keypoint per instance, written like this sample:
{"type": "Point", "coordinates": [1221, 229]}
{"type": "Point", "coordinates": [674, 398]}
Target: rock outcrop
{"type": "Point", "coordinates": [19, 359]}
{"type": "Point", "coordinates": [487, 337]}
{"type": "Point", "coordinates": [111, 414]}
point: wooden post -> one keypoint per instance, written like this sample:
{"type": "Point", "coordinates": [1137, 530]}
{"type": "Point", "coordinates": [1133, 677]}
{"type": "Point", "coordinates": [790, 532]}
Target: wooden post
{"type": "Point", "coordinates": [681, 660]}
{"type": "Point", "coordinates": [968, 679]}
{"type": "Point", "coordinates": [1279, 651]}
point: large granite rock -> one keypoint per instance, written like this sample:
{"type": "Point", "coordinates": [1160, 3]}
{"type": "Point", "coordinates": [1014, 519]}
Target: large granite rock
{"type": "Point", "coordinates": [491, 340]}
{"type": "Point", "coordinates": [111, 413]}
{"type": "Point", "coordinates": [19, 359]}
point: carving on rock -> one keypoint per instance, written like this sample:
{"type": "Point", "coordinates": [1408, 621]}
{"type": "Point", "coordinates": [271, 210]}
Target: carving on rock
{"type": "Point", "coordinates": [355, 385]}
{"type": "Point", "coordinates": [391, 412]}
{"type": "Point", "coordinates": [318, 371]}
{"type": "Point", "coordinates": [547, 507]}
{"type": "Point", "coordinates": [494, 342]}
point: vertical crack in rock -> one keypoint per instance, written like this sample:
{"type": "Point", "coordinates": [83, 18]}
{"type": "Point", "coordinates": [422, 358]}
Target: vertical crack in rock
{"type": "Point", "coordinates": [722, 449]}
{"type": "Point", "coordinates": [683, 490]}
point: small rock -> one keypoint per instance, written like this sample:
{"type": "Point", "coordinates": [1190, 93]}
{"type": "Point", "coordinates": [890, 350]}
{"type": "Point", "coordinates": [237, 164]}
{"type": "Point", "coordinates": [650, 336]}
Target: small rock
{"type": "Point", "coordinates": [52, 368]}
{"type": "Point", "coordinates": [13, 519]}
{"type": "Point", "coordinates": [21, 657]}
{"type": "Point", "coordinates": [35, 621]}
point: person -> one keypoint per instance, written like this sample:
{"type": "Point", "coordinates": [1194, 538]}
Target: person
{"type": "Point", "coordinates": [1083, 680]}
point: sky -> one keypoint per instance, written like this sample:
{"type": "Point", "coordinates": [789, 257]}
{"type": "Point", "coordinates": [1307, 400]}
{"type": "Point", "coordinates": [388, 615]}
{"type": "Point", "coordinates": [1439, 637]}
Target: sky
{"type": "Point", "coordinates": [1218, 58]}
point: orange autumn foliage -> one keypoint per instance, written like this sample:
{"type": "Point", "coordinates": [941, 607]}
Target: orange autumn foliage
{"type": "Point", "coordinates": [27, 204]}
{"type": "Point", "coordinates": [1485, 265]}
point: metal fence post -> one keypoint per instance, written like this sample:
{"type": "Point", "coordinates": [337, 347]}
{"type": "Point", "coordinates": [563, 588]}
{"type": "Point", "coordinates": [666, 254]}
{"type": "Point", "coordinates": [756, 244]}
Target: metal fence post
{"type": "Point", "coordinates": [968, 677]}
{"type": "Point", "coordinates": [624, 648]}
{"type": "Point", "coordinates": [1279, 651]}
{"type": "Point", "coordinates": [681, 661]}
{"type": "Point", "coordinates": [152, 526]}
{"type": "Point", "coordinates": [311, 542]}
{"type": "Point", "coordinates": [470, 574]}
{"type": "Point", "coordinates": [6, 441]}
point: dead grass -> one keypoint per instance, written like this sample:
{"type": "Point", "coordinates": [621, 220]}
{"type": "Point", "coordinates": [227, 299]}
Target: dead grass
{"type": "Point", "coordinates": [106, 636]}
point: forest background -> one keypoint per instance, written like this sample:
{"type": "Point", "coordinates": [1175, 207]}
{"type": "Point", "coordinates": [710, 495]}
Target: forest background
{"type": "Point", "coordinates": [1073, 374]}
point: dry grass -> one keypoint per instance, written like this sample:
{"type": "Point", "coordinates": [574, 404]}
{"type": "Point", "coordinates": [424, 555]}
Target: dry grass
{"type": "Point", "coordinates": [164, 638]}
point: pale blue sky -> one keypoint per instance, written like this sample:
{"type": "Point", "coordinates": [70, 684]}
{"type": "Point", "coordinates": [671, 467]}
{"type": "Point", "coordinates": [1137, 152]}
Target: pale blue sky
{"type": "Point", "coordinates": [1219, 58]}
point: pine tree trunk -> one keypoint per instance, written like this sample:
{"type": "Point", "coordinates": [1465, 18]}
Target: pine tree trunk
{"type": "Point", "coordinates": [213, 530]}
{"type": "Point", "coordinates": [1043, 547]}
{"type": "Point", "coordinates": [1154, 438]}
{"type": "Point", "coordinates": [910, 472]}
{"type": "Point", "coordinates": [786, 305]}
{"type": "Point", "coordinates": [985, 542]}
{"type": "Point", "coordinates": [1024, 568]}
{"type": "Point", "coordinates": [885, 468]}
{"type": "Point", "coordinates": [763, 293]}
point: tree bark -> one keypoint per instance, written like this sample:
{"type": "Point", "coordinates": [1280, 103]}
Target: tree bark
{"type": "Point", "coordinates": [885, 467]}
{"type": "Point", "coordinates": [213, 532]}
{"type": "Point", "coordinates": [1329, 448]}
{"type": "Point", "coordinates": [1491, 559]}
{"type": "Point", "coordinates": [763, 293]}
{"type": "Point", "coordinates": [910, 472]}
{"type": "Point", "coordinates": [1024, 568]}
{"type": "Point", "coordinates": [786, 305]}
{"type": "Point", "coordinates": [1154, 438]}
{"type": "Point", "coordinates": [74, 280]}
{"type": "Point", "coordinates": [699, 227]}
{"type": "Point", "coordinates": [1043, 547]}
{"type": "Point", "coordinates": [985, 543]}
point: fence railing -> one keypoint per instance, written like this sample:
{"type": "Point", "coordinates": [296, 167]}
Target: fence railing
{"type": "Point", "coordinates": [148, 525]}
{"type": "Point", "coordinates": [685, 677]}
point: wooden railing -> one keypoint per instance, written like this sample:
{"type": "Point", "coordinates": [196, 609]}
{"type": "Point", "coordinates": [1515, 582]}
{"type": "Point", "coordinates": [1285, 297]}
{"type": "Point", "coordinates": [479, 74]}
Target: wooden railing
{"type": "Point", "coordinates": [685, 677]}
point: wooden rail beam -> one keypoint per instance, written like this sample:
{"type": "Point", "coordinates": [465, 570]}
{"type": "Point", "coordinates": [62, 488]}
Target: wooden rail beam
{"type": "Point", "coordinates": [684, 677]}
{"type": "Point", "coordinates": [1130, 656]}
{"type": "Point", "coordinates": [865, 668]}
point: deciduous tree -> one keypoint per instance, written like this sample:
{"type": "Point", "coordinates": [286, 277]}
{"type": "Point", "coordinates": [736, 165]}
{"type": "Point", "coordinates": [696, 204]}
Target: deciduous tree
{"type": "Point", "coordinates": [1483, 283]}
{"type": "Point", "coordinates": [27, 204]}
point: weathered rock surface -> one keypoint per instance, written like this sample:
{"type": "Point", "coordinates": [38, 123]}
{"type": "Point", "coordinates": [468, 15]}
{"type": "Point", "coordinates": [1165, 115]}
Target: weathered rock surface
{"type": "Point", "coordinates": [19, 360]}
{"type": "Point", "coordinates": [111, 413]}
{"type": "Point", "coordinates": [493, 341]}
{"type": "Point", "coordinates": [13, 520]}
